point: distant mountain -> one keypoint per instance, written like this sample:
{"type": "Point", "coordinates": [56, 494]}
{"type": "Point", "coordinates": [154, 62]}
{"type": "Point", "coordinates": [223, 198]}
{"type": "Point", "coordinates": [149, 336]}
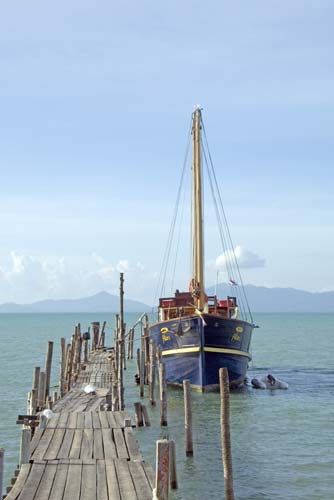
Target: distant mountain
{"type": "Point", "coordinates": [101, 302]}
{"type": "Point", "coordinates": [263, 299]}
{"type": "Point", "coordinates": [260, 298]}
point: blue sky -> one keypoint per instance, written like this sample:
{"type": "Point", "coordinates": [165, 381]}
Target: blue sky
{"type": "Point", "coordinates": [95, 104]}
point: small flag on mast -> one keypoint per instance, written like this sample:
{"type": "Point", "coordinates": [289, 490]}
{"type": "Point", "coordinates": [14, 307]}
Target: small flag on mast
{"type": "Point", "coordinates": [232, 282]}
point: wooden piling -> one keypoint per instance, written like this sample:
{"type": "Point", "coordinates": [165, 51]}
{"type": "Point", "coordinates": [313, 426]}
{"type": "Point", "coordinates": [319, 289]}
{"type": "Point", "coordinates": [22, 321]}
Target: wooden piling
{"type": "Point", "coordinates": [152, 373]}
{"type": "Point", "coordinates": [225, 433]}
{"type": "Point", "coordinates": [172, 465]}
{"type": "Point", "coordinates": [138, 361]}
{"type": "Point", "coordinates": [188, 418]}
{"type": "Point", "coordinates": [48, 364]}
{"type": "Point", "coordinates": [62, 366]}
{"type": "Point", "coordinates": [146, 416]}
{"type": "Point", "coordinates": [33, 401]}
{"type": "Point", "coordinates": [35, 378]}
{"type": "Point", "coordinates": [142, 372]}
{"type": "Point", "coordinates": [114, 400]}
{"type": "Point", "coordinates": [162, 469]}
{"type": "Point", "coordinates": [95, 335]}
{"type": "Point", "coordinates": [25, 445]}
{"type": "Point", "coordinates": [41, 390]}
{"type": "Point", "coordinates": [163, 394]}
{"type": "Point", "coordinates": [139, 414]}
{"type": "Point", "coordinates": [2, 464]}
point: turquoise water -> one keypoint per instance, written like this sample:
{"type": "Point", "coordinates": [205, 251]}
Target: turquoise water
{"type": "Point", "coordinates": [282, 442]}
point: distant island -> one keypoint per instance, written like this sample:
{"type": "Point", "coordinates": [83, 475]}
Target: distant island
{"type": "Point", "coordinates": [260, 298]}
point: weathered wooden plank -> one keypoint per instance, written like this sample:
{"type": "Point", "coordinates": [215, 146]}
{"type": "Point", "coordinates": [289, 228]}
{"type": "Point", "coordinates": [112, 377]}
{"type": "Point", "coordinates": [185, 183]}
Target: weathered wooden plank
{"type": "Point", "coordinates": [88, 420]}
{"type": "Point", "coordinates": [112, 482]}
{"type": "Point", "coordinates": [62, 420]}
{"type": "Point", "coordinates": [122, 451]}
{"type": "Point", "coordinates": [76, 444]}
{"type": "Point", "coordinates": [101, 480]}
{"type": "Point", "coordinates": [132, 445]}
{"type": "Point", "coordinates": [96, 420]}
{"type": "Point", "coordinates": [149, 474]}
{"type": "Point", "coordinates": [80, 420]}
{"type": "Point", "coordinates": [87, 443]}
{"type": "Point", "coordinates": [35, 440]}
{"type": "Point", "coordinates": [59, 482]}
{"type": "Point", "coordinates": [88, 482]}
{"type": "Point", "coordinates": [32, 482]}
{"type": "Point", "coordinates": [142, 485]}
{"type": "Point", "coordinates": [65, 448]}
{"type": "Point", "coordinates": [43, 444]}
{"type": "Point", "coordinates": [111, 419]}
{"type": "Point", "coordinates": [119, 419]}
{"type": "Point", "coordinates": [73, 482]}
{"type": "Point", "coordinates": [55, 444]}
{"type": "Point", "coordinates": [72, 421]}
{"type": "Point", "coordinates": [108, 444]}
{"type": "Point", "coordinates": [103, 419]}
{"type": "Point", "coordinates": [20, 482]}
{"type": "Point", "coordinates": [45, 486]}
{"type": "Point", "coordinates": [125, 483]}
{"type": "Point", "coordinates": [98, 446]}
{"type": "Point", "coordinates": [53, 422]}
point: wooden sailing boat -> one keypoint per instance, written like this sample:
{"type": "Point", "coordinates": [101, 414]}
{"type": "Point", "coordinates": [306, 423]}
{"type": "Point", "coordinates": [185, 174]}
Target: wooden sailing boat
{"type": "Point", "coordinates": [198, 334]}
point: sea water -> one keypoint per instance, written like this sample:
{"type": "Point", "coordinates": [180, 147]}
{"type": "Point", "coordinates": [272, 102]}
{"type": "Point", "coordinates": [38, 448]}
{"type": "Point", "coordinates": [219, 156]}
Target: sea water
{"type": "Point", "coordinates": [282, 441]}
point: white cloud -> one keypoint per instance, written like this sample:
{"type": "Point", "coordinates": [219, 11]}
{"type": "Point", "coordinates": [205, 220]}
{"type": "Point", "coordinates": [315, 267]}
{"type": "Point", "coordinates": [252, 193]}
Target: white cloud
{"type": "Point", "coordinates": [245, 258]}
{"type": "Point", "coordinates": [27, 278]}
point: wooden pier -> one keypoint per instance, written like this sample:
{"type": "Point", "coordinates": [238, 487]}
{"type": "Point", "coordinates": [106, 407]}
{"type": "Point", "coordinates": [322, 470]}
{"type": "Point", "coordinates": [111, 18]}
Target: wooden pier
{"type": "Point", "coordinates": [84, 451]}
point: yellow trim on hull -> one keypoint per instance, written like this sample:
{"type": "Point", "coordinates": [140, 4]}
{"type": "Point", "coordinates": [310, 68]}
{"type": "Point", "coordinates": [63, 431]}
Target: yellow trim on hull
{"type": "Point", "coordinates": [227, 351]}
{"type": "Point", "coordinates": [184, 350]}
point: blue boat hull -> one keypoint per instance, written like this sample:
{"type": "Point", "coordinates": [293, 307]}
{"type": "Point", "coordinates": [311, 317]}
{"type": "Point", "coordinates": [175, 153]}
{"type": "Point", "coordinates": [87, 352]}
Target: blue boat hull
{"type": "Point", "coordinates": [195, 347]}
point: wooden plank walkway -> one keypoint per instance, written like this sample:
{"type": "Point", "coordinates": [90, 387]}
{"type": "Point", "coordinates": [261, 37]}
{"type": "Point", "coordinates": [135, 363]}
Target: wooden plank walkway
{"type": "Point", "coordinates": [85, 453]}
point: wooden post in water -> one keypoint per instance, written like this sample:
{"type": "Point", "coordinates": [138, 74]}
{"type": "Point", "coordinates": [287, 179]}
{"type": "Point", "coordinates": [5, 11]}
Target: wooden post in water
{"type": "Point", "coordinates": [2, 460]}
{"type": "Point", "coordinates": [188, 418]}
{"type": "Point", "coordinates": [225, 432]}
{"type": "Point", "coordinates": [163, 394]}
{"type": "Point", "coordinates": [152, 372]}
{"type": "Point", "coordinates": [139, 414]}
{"type": "Point", "coordinates": [162, 470]}
{"type": "Point", "coordinates": [142, 372]}
{"type": "Point", "coordinates": [67, 369]}
{"type": "Point", "coordinates": [48, 364]}
{"type": "Point", "coordinates": [62, 366]}
{"type": "Point", "coordinates": [114, 400]}
{"type": "Point", "coordinates": [96, 330]}
{"type": "Point", "coordinates": [33, 402]}
{"type": "Point", "coordinates": [35, 379]}
{"type": "Point", "coordinates": [172, 465]}
{"type": "Point", "coordinates": [41, 391]}
{"type": "Point", "coordinates": [25, 445]}
{"type": "Point", "coordinates": [146, 416]}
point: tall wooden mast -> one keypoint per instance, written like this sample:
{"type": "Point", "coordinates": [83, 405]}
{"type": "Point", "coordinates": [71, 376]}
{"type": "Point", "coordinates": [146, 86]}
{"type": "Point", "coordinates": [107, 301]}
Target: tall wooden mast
{"type": "Point", "coordinates": [198, 244]}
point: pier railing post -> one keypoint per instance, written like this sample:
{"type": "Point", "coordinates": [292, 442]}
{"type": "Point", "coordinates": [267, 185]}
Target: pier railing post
{"type": "Point", "coordinates": [188, 418]}
{"type": "Point", "coordinates": [2, 460]}
{"type": "Point", "coordinates": [225, 433]}
{"type": "Point", "coordinates": [25, 445]}
{"type": "Point", "coordinates": [172, 465]}
{"type": "Point", "coordinates": [162, 470]}
{"type": "Point", "coordinates": [163, 394]}
{"type": "Point", "coordinates": [62, 366]}
{"type": "Point", "coordinates": [48, 363]}
{"type": "Point", "coordinates": [152, 372]}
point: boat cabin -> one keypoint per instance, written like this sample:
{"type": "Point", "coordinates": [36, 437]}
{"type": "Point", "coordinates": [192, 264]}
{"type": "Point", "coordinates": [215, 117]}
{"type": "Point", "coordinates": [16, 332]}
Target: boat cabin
{"type": "Point", "coordinates": [182, 304]}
